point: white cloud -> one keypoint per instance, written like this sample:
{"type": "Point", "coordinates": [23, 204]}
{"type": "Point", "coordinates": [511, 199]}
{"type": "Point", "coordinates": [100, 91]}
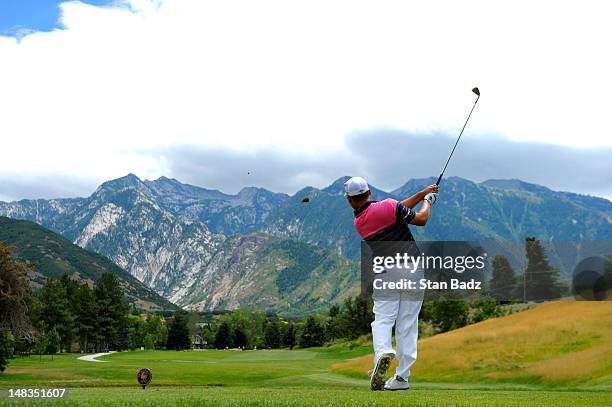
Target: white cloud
{"type": "Point", "coordinates": [85, 99]}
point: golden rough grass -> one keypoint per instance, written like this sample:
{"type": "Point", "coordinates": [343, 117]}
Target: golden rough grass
{"type": "Point", "coordinates": [562, 342]}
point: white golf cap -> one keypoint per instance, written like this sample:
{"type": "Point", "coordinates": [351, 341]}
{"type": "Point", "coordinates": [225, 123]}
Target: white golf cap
{"type": "Point", "coordinates": [355, 186]}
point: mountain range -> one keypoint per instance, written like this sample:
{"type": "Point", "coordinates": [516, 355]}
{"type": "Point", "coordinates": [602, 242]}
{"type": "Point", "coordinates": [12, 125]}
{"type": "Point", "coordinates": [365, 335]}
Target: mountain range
{"type": "Point", "coordinates": [197, 246]}
{"type": "Point", "coordinates": [52, 255]}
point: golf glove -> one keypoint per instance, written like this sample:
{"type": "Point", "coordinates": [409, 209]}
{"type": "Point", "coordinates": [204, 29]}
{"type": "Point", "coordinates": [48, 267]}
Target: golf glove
{"type": "Point", "coordinates": [431, 198]}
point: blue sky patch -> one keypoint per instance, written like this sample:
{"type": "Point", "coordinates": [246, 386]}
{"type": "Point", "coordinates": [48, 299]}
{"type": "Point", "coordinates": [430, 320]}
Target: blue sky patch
{"type": "Point", "coordinates": [19, 17]}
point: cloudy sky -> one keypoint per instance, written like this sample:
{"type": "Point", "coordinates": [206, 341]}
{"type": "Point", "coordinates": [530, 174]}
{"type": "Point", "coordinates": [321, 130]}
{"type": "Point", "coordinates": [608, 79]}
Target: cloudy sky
{"type": "Point", "coordinates": [284, 94]}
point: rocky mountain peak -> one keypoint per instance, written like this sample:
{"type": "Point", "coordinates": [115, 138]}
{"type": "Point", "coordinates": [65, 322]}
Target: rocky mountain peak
{"type": "Point", "coordinates": [337, 187]}
{"type": "Point", "coordinates": [129, 181]}
{"type": "Point", "coordinates": [179, 239]}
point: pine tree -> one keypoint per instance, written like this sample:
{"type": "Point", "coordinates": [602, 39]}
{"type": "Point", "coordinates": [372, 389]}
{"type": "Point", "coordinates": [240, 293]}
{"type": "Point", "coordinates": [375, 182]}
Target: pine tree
{"type": "Point", "coordinates": [124, 337]}
{"type": "Point", "coordinates": [223, 336]}
{"type": "Point", "coordinates": [87, 311]}
{"type": "Point", "coordinates": [69, 332]}
{"type": "Point", "coordinates": [313, 334]}
{"type": "Point", "coordinates": [356, 317]}
{"type": "Point", "coordinates": [53, 342]}
{"type": "Point", "coordinates": [71, 288]}
{"type": "Point", "coordinates": [240, 338]}
{"type": "Point", "coordinates": [111, 310]}
{"type": "Point", "coordinates": [272, 335]}
{"type": "Point", "coordinates": [289, 336]}
{"type": "Point", "coordinates": [503, 283]}
{"type": "Point", "coordinates": [56, 313]}
{"type": "Point", "coordinates": [178, 334]}
{"type": "Point", "coordinates": [541, 281]}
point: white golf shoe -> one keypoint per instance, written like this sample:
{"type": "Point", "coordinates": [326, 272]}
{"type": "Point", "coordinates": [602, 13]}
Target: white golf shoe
{"type": "Point", "coordinates": [378, 374]}
{"type": "Point", "coordinates": [397, 383]}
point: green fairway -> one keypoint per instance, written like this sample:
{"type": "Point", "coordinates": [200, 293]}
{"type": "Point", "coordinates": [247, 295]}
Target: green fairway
{"type": "Point", "coordinates": [320, 392]}
{"type": "Point", "coordinates": [264, 377]}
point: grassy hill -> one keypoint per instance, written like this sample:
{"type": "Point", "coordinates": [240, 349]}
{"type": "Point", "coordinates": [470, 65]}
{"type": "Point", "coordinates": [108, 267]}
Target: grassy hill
{"type": "Point", "coordinates": [54, 255]}
{"type": "Point", "coordinates": [566, 343]}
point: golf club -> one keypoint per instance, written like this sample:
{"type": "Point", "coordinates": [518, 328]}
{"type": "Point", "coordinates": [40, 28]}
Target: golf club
{"type": "Point", "coordinates": [477, 92]}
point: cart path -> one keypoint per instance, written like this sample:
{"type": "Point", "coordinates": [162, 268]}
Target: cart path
{"type": "Point", "coordinates": [92, 358]}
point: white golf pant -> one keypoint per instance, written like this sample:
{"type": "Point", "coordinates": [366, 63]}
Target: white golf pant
{"type": "Point", "coordinates": [403, 312]}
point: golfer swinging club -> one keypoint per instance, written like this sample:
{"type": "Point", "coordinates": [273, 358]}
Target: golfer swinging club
{"type": "Point", "coordinates": [388, 220]}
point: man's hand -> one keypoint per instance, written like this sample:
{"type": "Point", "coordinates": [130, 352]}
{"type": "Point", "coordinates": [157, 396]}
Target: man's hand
{"type": "Point", "coordinates": [433, 188]}
{"type": "Point", "coordinates": [419, 196]}
{"type": "Point", "coordinates": [431, 198]}
{"type": "Point", "coordinates": [431, 194]}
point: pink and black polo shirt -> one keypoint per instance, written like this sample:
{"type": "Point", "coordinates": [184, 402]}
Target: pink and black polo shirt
{"type": "Point", "coordinates": [386, 220]}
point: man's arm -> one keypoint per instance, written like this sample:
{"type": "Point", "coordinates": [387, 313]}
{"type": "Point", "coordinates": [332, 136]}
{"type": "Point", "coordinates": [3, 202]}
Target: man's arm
{"type": "Point", "coordinates": [418, 197]}
{"type": "Point", "coordinates": [420, 218]}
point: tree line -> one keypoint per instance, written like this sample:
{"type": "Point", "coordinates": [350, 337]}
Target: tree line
{"type": "Point", "coordinates": [65, 315]}
{"type": "Point", "coordinates": [71, 316]}
{"type": "Point", "coordinates": [539, 281]}
{"type": "Point", "coordinates": [249, 329]}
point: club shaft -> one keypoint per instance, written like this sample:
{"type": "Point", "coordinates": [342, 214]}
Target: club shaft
{"type": "Point", "coordinates": [457, 142]}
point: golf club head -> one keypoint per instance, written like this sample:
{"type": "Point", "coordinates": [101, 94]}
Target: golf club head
{"type": "Point", "coordinates": [476, 91]}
